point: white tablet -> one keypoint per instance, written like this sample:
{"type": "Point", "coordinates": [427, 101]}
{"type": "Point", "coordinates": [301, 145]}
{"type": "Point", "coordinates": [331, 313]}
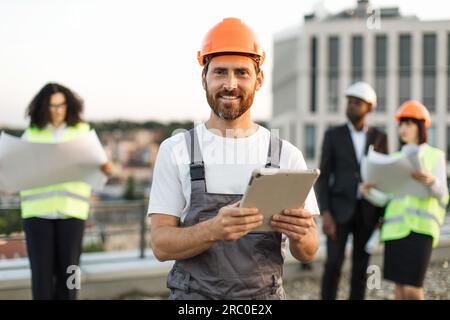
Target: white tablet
{"type": "Point", "coordinates": [273, 190]}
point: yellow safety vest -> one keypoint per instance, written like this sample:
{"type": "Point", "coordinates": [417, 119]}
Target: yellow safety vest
{"type": "Point", "coordinates": [70, 199]}
{"type": "Point", "coordinates": [408, 214]}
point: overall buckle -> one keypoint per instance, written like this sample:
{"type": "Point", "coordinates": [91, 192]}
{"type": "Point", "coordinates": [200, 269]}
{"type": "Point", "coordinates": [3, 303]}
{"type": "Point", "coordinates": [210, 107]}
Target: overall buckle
{"type": "Point", "coordinates": [197, 171]}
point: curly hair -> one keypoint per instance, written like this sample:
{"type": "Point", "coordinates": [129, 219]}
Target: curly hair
{"type": "Point", "coordinates": [39, 108]}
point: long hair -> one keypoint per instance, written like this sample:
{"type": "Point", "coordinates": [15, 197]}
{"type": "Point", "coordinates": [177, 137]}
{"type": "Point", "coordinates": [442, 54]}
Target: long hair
{"type": "Point", "coordinates": [422, 131]}
{"type": "Point", "coordinates": [39, 108]}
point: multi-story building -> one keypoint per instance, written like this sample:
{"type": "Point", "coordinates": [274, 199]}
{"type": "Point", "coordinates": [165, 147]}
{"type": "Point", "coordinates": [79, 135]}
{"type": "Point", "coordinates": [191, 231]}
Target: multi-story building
{"type": "Point", "coordinates": [402, 57]}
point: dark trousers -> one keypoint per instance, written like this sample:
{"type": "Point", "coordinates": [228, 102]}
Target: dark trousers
{"type": "Point", "coordinates": [53, 245]}
{"type": "Point", "coordinates": [361, 229]}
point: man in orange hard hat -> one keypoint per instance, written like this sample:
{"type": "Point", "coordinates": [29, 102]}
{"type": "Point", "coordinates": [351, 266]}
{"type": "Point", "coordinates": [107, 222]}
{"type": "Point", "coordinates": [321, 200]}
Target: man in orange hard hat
{"type": "Point", "coordinates": [200, 176]}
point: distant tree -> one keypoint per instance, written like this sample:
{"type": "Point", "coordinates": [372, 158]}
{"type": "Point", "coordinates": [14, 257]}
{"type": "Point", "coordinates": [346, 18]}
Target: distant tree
{"type": "Point", "coordinates": [10, 221]}
{"type": "Point", "coordinates": [93, 247]}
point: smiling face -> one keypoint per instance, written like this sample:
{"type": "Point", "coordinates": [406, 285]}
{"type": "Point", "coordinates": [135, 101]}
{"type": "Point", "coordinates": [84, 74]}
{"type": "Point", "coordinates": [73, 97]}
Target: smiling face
{"type": "Point", "coordinates": [230, 84]}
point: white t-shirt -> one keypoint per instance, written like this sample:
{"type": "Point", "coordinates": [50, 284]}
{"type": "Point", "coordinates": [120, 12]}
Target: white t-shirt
{"type": "Point", "coordinates": [229, 163]}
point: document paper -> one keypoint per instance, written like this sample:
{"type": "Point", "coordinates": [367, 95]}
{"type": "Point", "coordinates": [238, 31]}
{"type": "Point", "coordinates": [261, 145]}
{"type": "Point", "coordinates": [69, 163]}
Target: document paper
{"type": "Point", "coordinates": [25, 165]}
{"type": "Point", "coordinates": [392, 174]}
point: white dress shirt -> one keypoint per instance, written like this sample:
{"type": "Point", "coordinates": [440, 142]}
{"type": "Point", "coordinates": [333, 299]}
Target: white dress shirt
{"type": "Point", "coordinates": [359, 139]}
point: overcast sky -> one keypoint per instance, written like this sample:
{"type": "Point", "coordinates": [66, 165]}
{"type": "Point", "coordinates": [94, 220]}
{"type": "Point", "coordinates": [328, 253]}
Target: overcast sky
{"type": "Point", "coordinates": [137, 59]}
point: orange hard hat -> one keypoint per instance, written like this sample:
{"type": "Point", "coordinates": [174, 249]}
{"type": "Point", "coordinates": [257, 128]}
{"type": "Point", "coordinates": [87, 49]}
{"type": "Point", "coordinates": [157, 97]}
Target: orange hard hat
{"type": "Point", "coordinates": [413, 109]}
{"type": "Point", "coordinates": [231, 35]}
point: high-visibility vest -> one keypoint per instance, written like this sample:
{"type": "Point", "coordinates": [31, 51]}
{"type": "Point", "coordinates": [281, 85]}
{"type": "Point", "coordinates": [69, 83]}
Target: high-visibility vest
{"type": "Point", "coordinates": [70, 199]}
{"type": "Point", "coordinates": [408, 214]}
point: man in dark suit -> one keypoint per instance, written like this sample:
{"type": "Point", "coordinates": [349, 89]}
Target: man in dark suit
{"type": "Point", "coordinates": [343, 209]}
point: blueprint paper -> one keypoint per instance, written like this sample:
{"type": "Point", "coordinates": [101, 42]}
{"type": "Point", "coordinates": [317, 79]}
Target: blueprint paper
{"type": "Point", "coordinates": [25, 165]}
{"type": "Point", "coordinates": [392, 174]}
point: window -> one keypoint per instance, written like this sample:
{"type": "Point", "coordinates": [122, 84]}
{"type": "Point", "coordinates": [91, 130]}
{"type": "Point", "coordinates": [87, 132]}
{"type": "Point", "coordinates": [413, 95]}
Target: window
{"type": "Point", "coordinates": [313, 80]}
{"type": "Point", "coordinates": [357, 58]}
{"type": "Point", "coordinates": [429, 72]}
{"type": "Point", "coordinates": [381, 71]}
{"type": "Point", "coordinates": [404, 68]}
{"type": "Point", "coordinates": [333, 74]}
{"type": "Point", "coordinates": [310, 141]}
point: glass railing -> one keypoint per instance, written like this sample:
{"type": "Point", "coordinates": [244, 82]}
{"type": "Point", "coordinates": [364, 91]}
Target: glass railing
{"type": "Point", "coordinates": [118, 225]}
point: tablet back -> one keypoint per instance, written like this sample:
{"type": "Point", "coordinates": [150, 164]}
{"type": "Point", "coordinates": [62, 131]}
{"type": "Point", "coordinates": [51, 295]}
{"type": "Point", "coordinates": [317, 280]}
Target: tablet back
{"type": "Point", "coordinates": [273, 190]}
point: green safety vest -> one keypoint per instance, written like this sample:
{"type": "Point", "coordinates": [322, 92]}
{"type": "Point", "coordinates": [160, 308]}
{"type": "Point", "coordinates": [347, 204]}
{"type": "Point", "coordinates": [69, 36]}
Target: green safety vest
{"type": "Point", "coordinates": [70, 199]}
{"type": "Point", "coordinates": [408, 214]}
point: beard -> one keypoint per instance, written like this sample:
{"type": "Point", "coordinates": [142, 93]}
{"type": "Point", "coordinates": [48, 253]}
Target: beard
{"type": "Point", "coordinates": [229, 110]}
{"type": "Point", "coordinates": [354, 117]}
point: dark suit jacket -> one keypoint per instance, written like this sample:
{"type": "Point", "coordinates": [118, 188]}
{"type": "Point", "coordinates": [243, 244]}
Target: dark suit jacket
{"type": "Point", "coordinates": [340, 173]}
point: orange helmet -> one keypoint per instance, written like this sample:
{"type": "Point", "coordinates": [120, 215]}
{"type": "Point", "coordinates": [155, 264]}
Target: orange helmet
{"type": "Point", "coordinates": [413, 109]}
{"type": "Point", "coordinates": [231, 35]}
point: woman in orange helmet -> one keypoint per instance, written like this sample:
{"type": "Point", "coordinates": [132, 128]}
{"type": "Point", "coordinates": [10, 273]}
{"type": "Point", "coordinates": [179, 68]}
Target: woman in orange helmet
{"type": "Point", "coordinates": [411, 224]}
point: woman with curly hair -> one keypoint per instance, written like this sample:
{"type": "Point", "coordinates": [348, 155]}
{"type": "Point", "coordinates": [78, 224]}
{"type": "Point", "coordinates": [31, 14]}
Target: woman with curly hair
{"type": "Point", "coordinates": [54, 215]}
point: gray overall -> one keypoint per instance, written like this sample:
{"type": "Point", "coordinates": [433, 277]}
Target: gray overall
{"type": "Point", "coordinates": [248, 268]}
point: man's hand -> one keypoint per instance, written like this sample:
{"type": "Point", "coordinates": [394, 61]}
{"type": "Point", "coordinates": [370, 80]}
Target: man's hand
{"type": "Point", "coordinates": [299, 226]}
{"type": "Point", "coordinates": [423, 177]}
{"type": "Point", "coordinates": [233, 222]}
{"type": "Point", "coordinates": [294, 223]}
{"type": "Point", "coordinates": [328, 225]}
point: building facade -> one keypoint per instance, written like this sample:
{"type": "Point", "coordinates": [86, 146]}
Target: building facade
{"type": "Point", "coordinates": [401, 57]}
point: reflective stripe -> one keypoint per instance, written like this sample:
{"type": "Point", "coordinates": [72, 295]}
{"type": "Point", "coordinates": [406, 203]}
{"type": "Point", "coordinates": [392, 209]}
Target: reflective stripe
{"type": "Point", "coordinates": [393, 220]}
{"type": "Point", "coordinates": [56, 193]}
{"type": "Point", "coordinates": [441, 204]}
{"type": "Point", "coordinates": [422, 214]}
{"type": "Point", "coordinates": [54, 215]}
{"type": "Point", "coordinates": [415, 212]}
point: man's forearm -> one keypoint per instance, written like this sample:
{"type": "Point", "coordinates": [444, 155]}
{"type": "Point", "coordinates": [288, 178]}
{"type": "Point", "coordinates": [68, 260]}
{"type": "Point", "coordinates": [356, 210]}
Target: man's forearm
{"type": "Point", "coordinates": [175, 243]}
{"type": "Point", "coordinates": [305, 250]}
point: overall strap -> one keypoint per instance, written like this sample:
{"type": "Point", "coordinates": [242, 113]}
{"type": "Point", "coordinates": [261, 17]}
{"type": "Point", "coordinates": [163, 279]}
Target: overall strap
{"type": "Point", "coordinates": [196, 165]}
{"type": "Point", "coordinates": [274, 153]}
